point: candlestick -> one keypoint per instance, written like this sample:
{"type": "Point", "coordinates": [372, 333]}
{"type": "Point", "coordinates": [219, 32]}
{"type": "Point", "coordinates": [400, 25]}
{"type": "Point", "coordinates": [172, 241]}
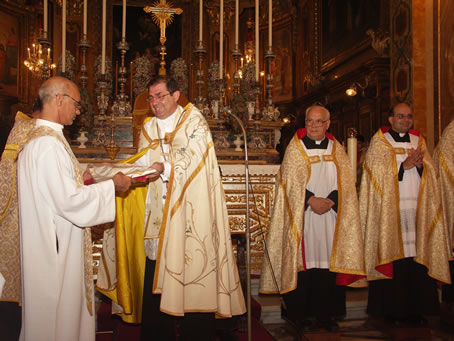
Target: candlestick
{"type": "Point", "coordinates": [123, 26]}
{"type": "Point", "coordinates": [352, 145]}
{"type": "Point", "coordinates": [257, 40]}
{"type": "Point", "coordinates": [221, 39]}
{"type": "Point", "coordinates": [270, 23]}
{"type": "Point", "coordinates": [63, 38]}
{"type": "Point", "coordinates": [201, 20]}
{"type": "Point", "coordinates": [85, 19]}
{"type": "Point", "coordinates": [103, 41]}
{"type": "Point", "coordinates": [237, 20]}
{"type": "Point", "coordinates": [45, 19]}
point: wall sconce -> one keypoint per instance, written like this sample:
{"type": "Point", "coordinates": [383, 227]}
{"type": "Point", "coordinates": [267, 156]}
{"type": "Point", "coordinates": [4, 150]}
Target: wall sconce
{"type": "Point", "coordinates": [353, 89]}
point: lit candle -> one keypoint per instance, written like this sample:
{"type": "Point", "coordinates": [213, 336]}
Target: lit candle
{"type": "Point", "coordinates": [103, 39]}
{"type": "Point", "coordinates": [257, 40]}
{"type": "Point", "coordinates": [63, 38]}
{"type": "Point", "coordinates": [85, 20]}
{"type": "Point", "coordinates": [270, 23]}
{"type": "Point", "coordinates": [221, 39]}
{"type": "Point", "coordinates": [237, 20]}
{"type": "Point", "coordinates": [45, 19]}
{"type": "Point", "coordinates": [201, 20]}
{"type": "Point", "coordinates": [123, 26]}
{"type": "Point", "coordinates": [28, 52]}
{"type": "Point", "coordinates": [48, 53]}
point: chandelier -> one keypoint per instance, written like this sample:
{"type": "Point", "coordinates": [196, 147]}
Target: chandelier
{"type": "Point", "coordinates": [39, 61]}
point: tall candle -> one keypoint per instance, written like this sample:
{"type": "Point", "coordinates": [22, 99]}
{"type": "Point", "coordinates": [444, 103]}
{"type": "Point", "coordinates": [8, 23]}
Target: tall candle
{"type": "Point", "coordinates": [123, 26]}
{"type": "Point", "coordinates": [45, 19]}
{"type": "Point", "coordinates": [257, 54]}
{"type": "Point", "coordinates": [352, 144]}
{"type": "Point", "coordinates": [103, 39]}
{"type": "Point", "coordinates": [221, 39]}
{"type": "Point", "coordinates": [237, 20]}
{"type": "Point", "coordinates": [270, 23]}
{"type": "Point", "coordinates": [201, 20]}
{"type": "Point", "coordinates": [85, 19]}
{"type": "Point", "coordinates": [63, 38]}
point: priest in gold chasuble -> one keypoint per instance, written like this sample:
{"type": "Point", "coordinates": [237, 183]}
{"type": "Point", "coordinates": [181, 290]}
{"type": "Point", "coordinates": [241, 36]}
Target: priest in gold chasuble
{"type": "Point", "coordinates": [444, 162]}
{"type": "Point", "coordinates": [406, 242]}
{"type": "Point", "coordinates": [174, 251]}
{"type": "Point", "coordinates": [314, 242]}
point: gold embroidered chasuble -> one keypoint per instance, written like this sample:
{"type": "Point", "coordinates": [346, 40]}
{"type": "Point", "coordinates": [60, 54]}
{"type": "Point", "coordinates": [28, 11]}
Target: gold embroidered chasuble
{"type": "Point", "coordinates": [285, 235]}
{"type": "Point", "coordinates": [9, 219]}
{"type": "Point", "coordinates": [380, 213]}
{"type": "Point", "coordinates": [195, 266]}
{"type": "Point", "coordinates": [444, 163]}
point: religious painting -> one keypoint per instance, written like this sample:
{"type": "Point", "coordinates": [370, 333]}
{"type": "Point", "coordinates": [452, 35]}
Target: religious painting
{"type": "Point", "coordinates": [282, 63]}
{"type": "Point", "coordinates": [344, 24]}
{"type": "Point", "coordinates": [9, 52]}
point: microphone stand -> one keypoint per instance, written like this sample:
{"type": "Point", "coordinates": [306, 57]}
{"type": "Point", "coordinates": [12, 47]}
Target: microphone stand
{"type": "Point", "coordinates": [248, 244]}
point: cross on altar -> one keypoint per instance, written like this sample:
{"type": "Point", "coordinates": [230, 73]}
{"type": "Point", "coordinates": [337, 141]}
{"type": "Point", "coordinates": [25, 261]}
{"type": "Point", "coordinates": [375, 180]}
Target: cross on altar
{"type": "Point", "coordinates": [162, 14]}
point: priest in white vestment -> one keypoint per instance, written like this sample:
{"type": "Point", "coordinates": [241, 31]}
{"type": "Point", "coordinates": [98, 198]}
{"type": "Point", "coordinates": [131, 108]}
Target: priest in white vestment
{"type": "Point", "coordinates": [314, 240]}
{"type": "Point", "coordinates": [55, 209]}
{"type": "Point", "coordinates": [406, 241]}
{"type": "Point", "coordinates": [173, 242]}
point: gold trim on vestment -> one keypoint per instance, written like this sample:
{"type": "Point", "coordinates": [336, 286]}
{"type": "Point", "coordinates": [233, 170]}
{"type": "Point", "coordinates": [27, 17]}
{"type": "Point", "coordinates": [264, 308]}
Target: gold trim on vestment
{"type": "Point", "coordinates": [10, 200]}
{"type": "Point", "coordinates": [396, 188]}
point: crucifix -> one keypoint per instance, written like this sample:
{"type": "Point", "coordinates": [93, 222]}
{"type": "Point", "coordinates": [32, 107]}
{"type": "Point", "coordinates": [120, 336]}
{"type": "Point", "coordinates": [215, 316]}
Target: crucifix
{"type": "Point", "coordinates": [162, 14]}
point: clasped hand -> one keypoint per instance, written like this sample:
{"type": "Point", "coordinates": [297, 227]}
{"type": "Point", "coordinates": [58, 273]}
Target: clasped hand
{"type": "Point", "coordinates": [320, 205]}
{"type": "Point", "coordinates": [414, 159]}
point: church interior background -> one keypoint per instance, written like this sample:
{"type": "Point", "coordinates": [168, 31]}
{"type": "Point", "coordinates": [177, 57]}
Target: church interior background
{"type": "Point", "coordinates": [265, 66]}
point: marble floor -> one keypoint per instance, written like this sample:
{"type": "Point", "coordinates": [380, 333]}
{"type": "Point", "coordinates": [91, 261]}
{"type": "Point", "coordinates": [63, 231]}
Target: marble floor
{"type": "Point", "coordinates": [355, 326]}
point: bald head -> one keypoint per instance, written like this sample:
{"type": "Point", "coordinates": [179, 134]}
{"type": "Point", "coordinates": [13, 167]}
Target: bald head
{"type": "Point", "coordinates": [60, 99]}
{"type": "Point", "coordinates": [317, 122]}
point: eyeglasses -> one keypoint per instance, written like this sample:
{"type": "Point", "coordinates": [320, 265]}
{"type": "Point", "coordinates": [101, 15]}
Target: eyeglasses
{"type": "Point", "coordinates": [78, 104]}
{"type": "Point", "coordinates": [316, 123]}
{"type": "Point", "coordinates": [157, 97]}
{"type": "Point", "coordinates": [402, 116]}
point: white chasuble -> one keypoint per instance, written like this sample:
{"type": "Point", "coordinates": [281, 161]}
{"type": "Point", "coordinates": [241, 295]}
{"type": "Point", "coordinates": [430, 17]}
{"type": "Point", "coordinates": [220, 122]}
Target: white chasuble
{"type": "Point", "coordinates": [53, 211]}
{"type": "Point", "coordinates": [319, 229]}
{"type": "Point", "coordinates": [408, 193]}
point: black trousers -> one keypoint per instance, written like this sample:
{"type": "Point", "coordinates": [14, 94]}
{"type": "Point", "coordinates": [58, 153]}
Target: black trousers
{"type": "Point", "coordinates": [316, 295]}
{"type": "Point", "coordinates": [447, 290]}
{"type": "Point", "coordinates": [10, 321]}
{"type": "Point", "coordinates": [157, 325]}
{"type": "Point", "coordinates": [410, 293]}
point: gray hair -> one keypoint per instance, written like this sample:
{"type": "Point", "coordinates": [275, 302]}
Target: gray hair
{"type": "Point", "coordinates": [328, 115]}
{"type": "Point", "coordinates": [52, 87]}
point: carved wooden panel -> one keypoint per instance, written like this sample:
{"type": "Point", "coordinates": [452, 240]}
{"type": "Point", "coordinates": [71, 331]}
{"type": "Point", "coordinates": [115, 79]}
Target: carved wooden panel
{"type": "Point", "coordinates": [261, 197]}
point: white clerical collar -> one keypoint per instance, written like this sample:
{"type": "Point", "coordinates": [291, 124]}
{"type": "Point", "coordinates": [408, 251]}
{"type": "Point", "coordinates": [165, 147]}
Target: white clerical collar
{"type": "Point", "coordinates": [54, 125]}
{"type": "Point", "coordinates": [319, 141]}
{"type": "Point", "coordinates": [402, 134]}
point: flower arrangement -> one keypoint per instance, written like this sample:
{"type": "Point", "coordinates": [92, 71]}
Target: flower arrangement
{"type": "Point", "coordinates": [141, 75]}
{"type": "Point", "coordinates": [248, 84]}
{"type": "Point", "coordinates": [107, 76]}
{"type": "Point", "coordinates": [70, 66]}
{"type": "Point", "coordinates": [179, 72]}
{"type": "Point", "coordinates": [214, 82]}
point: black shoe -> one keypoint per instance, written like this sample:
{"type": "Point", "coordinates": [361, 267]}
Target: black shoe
{"type": "Point", "coordinates": [304, 325]}
{"type": "Point", "coordinates": [418, 320]}
{"type": "Point", "coordinates": [394, 322]}
{"type": "Point", "coordinates": [329, 325]}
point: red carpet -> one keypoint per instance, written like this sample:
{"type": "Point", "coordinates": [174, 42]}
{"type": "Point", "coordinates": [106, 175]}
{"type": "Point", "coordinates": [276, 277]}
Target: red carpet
{"type": "Point", "coordinates": [112, 328]}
